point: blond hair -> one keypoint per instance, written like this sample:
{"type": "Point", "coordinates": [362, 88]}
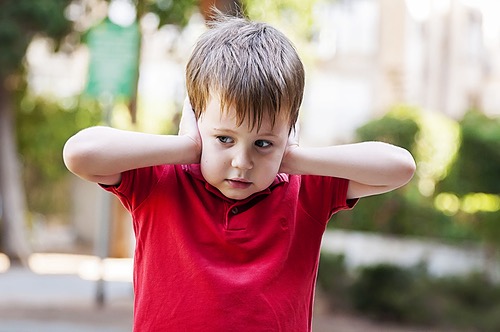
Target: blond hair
{"type": "Point", "coordinates": [252, 66]}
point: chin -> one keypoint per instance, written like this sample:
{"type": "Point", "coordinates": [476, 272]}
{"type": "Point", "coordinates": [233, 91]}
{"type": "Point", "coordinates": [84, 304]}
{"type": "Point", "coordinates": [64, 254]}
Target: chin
{"type": "Point", "coordinates": [237, 195]}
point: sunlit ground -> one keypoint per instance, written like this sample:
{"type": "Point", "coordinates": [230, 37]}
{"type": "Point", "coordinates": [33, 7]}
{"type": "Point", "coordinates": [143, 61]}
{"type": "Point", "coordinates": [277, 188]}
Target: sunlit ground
{"type": "Point", "coordinates": [85, 266]}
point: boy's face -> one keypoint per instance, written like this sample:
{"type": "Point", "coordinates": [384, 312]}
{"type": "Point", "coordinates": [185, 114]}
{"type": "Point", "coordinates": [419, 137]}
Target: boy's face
{"type": "Point", "coordinates": [236, 160]}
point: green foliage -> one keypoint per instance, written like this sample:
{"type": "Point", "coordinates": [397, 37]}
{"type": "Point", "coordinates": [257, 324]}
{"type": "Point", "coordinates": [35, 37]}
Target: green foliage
{"type": "Point", "coordinates": [455, 192]}
{"type": "Point", "coordinates": [20, 20]}
{"type": "Point", "coordinates": [395, 213]}
{"type": "Point", "coordinates": [477, 168]}
{"type": "Point", "coordinates": [391, 293]}
{"type": "Point", "coordinates": [407, 211]}
{"type": "Point", "coordinates": [334, 280]}
{"type": "Point", "coordinates": [295, 18]}
{"type": "Point", "coordinates": [488, 226]}
{"type": "Point", "coordinates": [470, 302]}
{"type": "Point", "coordinates": [411, 296]}
{"type": "Point", "coordinates": [392, 128]}
{"type": "Point", "coordinates": [175, 12]}
{"type": "Point", "coordinates": [43, 126]}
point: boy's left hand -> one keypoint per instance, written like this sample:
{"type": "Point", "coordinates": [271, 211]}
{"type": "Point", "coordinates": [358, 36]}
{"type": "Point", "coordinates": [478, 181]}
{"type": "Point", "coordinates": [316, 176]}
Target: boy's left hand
{"type": "Point", "coordinates": [292, 144]}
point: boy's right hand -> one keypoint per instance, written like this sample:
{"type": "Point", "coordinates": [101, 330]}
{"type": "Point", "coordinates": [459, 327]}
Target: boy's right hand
{"type": "Point", "coordinates": [188, 125]}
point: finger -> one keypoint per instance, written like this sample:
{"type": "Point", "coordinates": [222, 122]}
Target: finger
{"type": "Point", "coordinates": [188, 118]}
{"type": "Point", "coordinates": [188, 111]}
{"type": "Point", "coordinates": [293, 137]}
{"type": "Point", "coordinates": [187, 108]}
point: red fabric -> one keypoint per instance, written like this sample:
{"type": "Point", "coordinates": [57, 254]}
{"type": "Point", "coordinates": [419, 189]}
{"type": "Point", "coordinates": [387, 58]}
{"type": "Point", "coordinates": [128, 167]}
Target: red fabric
{"type": "Point", "coordinates": [204, 262]}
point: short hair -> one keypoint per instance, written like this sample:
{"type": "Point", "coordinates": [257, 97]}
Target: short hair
{"type": "Point", "coordinates": [252, 66]}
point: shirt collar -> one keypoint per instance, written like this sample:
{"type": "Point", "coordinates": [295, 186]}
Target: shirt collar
{"type": "Point", "coordinates": [195, 171]}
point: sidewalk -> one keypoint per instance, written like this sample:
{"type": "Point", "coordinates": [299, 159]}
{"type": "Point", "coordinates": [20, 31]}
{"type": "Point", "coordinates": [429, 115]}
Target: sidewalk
{"type": "Point", "coordinates": [61, 303]}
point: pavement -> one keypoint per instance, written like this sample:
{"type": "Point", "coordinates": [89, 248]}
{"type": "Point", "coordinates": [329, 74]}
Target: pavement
{"type": "Point", "coordinates": [62, 303]}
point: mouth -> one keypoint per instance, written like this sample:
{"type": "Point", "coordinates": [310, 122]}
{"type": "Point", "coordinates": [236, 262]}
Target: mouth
{"type": "Point", "coordinates": [239, 183]}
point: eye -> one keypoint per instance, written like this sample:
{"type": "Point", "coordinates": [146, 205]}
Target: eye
{"type": "Point", "coordinates": [225, 139]}
{"type": "Point", "coordinates": [263, 144]}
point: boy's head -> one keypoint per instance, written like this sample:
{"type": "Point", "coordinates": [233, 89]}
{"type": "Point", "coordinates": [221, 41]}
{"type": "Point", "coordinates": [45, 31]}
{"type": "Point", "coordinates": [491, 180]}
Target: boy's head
{"type": "Point", "coordinates": [251, 66]}
{"type": "Point", "coordinates": [245, 82]}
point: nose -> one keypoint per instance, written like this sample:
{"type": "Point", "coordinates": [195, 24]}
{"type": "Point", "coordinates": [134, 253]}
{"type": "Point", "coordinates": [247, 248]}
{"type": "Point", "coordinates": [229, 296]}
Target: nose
{"type": "Point", "coordinates": [242, 160]}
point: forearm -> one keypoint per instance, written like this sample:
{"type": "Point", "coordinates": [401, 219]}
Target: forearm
{"type": "Point", "coordinates": [369, 163]}
{"type": "Point", "coordinates": [104, 151]}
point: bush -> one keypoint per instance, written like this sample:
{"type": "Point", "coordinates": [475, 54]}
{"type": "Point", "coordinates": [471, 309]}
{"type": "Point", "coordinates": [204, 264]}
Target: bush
{"type": "Point", "coordinates": [43, 126]}
{"type": "Point", "coordinates": [469, 302]}
{"type": "Point", "coordinates": [333, 280]}
{"type": "Point", "coordinates": [476, 170]}
{"type": "Point", "coordinates": [477, 166]}
{"type": "Point", "coordinates": [457, 163]}
{"type": "Point", "coordinates": [387, 292]}
{"type": "Point", "coordinates": [411, 296]}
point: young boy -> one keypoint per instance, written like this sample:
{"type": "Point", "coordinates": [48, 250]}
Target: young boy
{"type": "Point", "coordinates": [229, 214]}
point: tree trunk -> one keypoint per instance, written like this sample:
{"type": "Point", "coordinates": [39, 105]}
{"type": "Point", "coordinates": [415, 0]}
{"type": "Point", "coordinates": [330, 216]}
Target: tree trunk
{"type": "Point", "coordinates": [14, 242]}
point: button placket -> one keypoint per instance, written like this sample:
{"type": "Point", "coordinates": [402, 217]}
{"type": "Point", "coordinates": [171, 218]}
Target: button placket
{"type": "Point", "coordinates": [233, 219]}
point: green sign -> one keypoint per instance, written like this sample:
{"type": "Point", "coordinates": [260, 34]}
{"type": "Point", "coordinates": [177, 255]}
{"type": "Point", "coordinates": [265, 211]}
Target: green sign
{"type": "Point", "coordinates": [114, 59]}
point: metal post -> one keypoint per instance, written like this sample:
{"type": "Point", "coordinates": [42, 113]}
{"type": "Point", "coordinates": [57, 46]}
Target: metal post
{"type": "Point", "coordinates": [103, 228]}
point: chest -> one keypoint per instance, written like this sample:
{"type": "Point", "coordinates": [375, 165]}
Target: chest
{"type": "Point", "coordinates": [270, 224]}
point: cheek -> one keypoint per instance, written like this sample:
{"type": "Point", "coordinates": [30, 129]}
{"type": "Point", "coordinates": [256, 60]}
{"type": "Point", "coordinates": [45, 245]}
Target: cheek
{"type": "Point", "coordinates": [277, 156]}
{"type": "Point", "coordinates": [271, 164]}
{"type": "Point", "coordinates": [212, 159]}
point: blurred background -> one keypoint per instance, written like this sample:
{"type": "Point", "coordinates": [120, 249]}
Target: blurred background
{"type": "Point", "coordinates": [421, 74]}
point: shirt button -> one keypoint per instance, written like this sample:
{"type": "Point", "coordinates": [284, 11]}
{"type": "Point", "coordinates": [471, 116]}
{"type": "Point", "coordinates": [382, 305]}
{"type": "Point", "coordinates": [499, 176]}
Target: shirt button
{"type": "Point", "coordinates": [234, 210]}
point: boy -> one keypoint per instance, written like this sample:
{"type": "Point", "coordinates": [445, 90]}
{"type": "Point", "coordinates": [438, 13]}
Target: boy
{"type": "Point", "coordinates": [229, 214]}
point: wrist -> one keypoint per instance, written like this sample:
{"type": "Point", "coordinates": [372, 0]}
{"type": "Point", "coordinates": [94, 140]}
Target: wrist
{"type": "Point", "coordinates": [290, 160]}
{"type": "Point", "coordinates": [192, 150]}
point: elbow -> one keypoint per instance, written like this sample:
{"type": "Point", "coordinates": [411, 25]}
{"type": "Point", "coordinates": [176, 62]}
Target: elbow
{"type": "Point", "coordinates": [71, 155]}
{"type": "Point", "coordinates": [78, 151]}
{"type": "Point", "coordinates": [406, 168]}
{"type": "Point", "coordinates": [74, 155]}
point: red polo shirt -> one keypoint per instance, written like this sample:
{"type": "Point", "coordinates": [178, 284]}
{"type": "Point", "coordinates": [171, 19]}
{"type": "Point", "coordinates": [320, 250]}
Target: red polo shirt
{"type": "Point", "coordinates": [204, 262]}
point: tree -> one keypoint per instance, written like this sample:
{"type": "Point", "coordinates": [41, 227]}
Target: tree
{"type": "Point", "coordinates": [20, 21]}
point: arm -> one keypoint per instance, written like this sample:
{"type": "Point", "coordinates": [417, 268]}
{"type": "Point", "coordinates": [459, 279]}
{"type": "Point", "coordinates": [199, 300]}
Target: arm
{"type": "Point", "coordinates": [372, 167]}
{"type": "Point", "coordinates": [101, 154]}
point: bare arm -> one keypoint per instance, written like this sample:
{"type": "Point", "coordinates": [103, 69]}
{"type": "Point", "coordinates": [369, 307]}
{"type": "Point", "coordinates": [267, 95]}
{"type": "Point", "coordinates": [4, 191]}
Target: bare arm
{"type": "Point", "coordinates": [101, 154]}
{"type": "Point", "coordinates": [371, 167]}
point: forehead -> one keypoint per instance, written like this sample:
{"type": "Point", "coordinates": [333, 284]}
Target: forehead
{"type": "Point", "coordinates": [227, 118]}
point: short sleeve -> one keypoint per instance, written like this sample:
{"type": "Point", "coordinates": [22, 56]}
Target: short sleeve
{"type": "Point", "coordinates": [135, 186]}
{"type": "Point", "coordinates": [323, 196]}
